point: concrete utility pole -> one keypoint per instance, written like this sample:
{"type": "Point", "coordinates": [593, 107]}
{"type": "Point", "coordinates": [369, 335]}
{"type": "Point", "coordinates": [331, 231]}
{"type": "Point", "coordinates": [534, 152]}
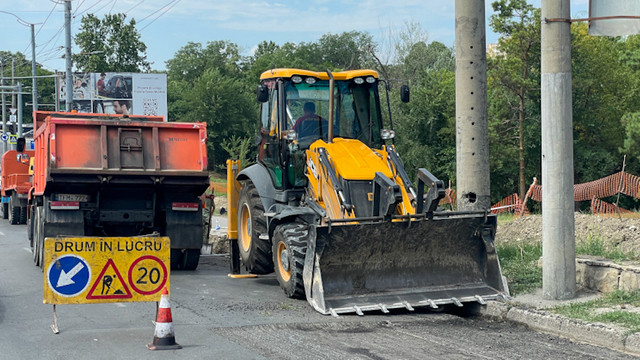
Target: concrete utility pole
{"type": "Point", "coordinates": [69, 74]}
{"type": "Point", "coordinates": [558, 222]}
{"type": "Point", "coordinates": [33, 68]}
{"type": "Point", "coordinates": [20, 105]}
{"type": "Point", "coordinates": [4, 109]}
{"type": "Point", "coordinates": [13, 81]}
{"type": "Point", "coordinates": [472, 125]}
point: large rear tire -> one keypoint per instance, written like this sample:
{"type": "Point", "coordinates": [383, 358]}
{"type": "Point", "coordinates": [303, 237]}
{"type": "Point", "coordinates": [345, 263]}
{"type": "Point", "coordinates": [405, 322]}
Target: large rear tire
{"type": "Point", "coordinates": [254, 252]}
{"type": "Point", "coordinates": [23, 215]}
{"type": "Point", "coordinates": [289, 249]}
{"type": "Point", "coordinates": [191, 258]}
{"type": "Point", "coordinates": [14, 211]}
{"type": "Point", "coordinates": [176, 259]}
{"type": "Point", "coordinates": [30, 223]}
{"type": "Point", "coordinates": [5, 210]}
{"type": "Point", "coordinates": [38, 237]}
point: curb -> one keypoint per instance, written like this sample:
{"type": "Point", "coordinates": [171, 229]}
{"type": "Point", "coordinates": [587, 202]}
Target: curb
{"type": "Point", "coordinates": [590, 333]}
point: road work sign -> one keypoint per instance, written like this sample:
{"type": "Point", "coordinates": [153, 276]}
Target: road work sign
{"type": "Point", "coordinates": [86, 270]}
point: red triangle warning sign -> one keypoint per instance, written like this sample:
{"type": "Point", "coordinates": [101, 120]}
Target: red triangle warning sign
{"type": "Point", "coordinates": [109, 284]}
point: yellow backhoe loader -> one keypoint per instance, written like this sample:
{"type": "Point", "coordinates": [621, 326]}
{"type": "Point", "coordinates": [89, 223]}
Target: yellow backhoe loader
{"type": "Point", "coordinates": [329, 207]}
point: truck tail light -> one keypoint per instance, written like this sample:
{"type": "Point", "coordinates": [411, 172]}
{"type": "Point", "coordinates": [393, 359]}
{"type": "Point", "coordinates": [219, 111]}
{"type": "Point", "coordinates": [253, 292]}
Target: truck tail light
{"type": "Point", "coordinates": [184, 206]}
{"type": "Point", "coordinates": [64, 205]}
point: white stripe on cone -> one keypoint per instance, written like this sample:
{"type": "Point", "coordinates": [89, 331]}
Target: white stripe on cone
{"type": "Point", "coordinates": [164, 329]}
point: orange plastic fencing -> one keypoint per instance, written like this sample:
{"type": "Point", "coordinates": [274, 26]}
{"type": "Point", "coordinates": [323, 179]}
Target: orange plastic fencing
{"type": "Point", "coordinates": [620, 182]}
{"type": "Point", "coordinates": [604, 208]}
{"type": "Point", "coordinates": [511, 203]}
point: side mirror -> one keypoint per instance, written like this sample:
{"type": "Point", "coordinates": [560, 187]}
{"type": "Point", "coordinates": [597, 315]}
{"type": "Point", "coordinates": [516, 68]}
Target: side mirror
{"type": "Point", "coordinates": [404, 93]}
{"type": "Point", "coordinates": [20, 145]}
{"type": "Point", "coordinates": [262, 94]}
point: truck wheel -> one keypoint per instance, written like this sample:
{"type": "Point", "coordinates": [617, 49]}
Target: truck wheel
{"type": "Point", "coordinates": [35, 248]}
{"type": "Point", "coordinates": [191, 258]}
{"type": "Point", "coordinates": [176, 259]}
{"type": "Point", "coordinates": [23, 215]}
{"type": "Point", "coordinates": [30, 231]}
{"type": "Point", "coordinates": [254, 252]}
{"type": "Point", "coordinates": [289, 249]}
{"type": "Point", "coordinates": [14, 211]}
{"type": "Point", "coordinates": [5, 210]}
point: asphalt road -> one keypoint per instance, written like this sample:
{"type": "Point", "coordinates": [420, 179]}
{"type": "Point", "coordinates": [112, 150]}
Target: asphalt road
{"type": "Point", "coordinates": [216, 317]}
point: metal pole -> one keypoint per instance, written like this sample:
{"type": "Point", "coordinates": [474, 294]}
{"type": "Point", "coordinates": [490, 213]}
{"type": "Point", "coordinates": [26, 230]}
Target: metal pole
{"type": "Point", "coordinates": [13, 82]}
{"type": "Point", "coordinates": [472, 124]}
{"type": "Point", "coordinates": [33, 68]}
{"type": "Point", "coordinates": [19, 110]}
{"type": "Point", "coordinates": [558, 222]}
{"type": "Point", "coordinates": [57, 92]}
{"type": "Point", "coordinates": [69, 75]}
{"type": "Point", "coordinates": [4, 110]}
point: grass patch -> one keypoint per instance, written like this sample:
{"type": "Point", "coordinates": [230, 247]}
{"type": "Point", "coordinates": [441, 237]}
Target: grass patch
{"type": "Point", "coordinates": [595, 245]}
{"type": "Point", "coordinates": [505, 218]}
{"type": "Point", "coordinates": [586, 311]}
{"type": "Point", "coordinates": [520, 265]}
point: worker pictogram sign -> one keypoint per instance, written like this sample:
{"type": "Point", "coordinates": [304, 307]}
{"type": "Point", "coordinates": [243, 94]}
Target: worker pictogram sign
{"type": "Point", "coordinates": [109, 284]}
{"type": "Point", "coordinates": [86, 270]}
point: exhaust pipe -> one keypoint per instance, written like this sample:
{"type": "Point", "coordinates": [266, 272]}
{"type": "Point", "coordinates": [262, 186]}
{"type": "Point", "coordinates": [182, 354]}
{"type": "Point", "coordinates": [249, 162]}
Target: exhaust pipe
{"type": "Point", "coordinates": [331, 87]}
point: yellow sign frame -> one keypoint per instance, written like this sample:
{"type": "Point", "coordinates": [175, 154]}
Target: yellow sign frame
{"type": "Point", "coordinates": [87, 270]}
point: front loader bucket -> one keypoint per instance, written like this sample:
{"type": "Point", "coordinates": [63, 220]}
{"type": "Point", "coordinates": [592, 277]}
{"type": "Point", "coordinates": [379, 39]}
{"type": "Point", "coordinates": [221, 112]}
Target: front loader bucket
{"type": "Point", "coordinates": [403, 264]}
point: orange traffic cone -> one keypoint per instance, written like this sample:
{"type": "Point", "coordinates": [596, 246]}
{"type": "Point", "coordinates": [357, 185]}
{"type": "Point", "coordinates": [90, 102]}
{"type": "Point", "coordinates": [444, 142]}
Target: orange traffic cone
{"type": "Point", "coordinates": [163, 338]}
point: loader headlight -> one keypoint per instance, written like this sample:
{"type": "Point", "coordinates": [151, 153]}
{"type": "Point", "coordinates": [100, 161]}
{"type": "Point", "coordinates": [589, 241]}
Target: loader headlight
{"type": "Point", "coordinates": [296, 79]}
{"type": "Point", "coordinates": [358, 81]}
{"type": "Point", "coordinates": [310, 80]}
{"type": "Point", "coordinates": [371, 79]}
{"type": "Point", "coordinates": [387, 134]}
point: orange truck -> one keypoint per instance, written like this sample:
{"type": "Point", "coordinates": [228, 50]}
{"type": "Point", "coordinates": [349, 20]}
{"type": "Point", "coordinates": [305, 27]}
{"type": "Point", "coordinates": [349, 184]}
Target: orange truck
{"type": "Point", "coordinates": [109, 175]}
{"type": "Point", "coordinates": [15, 183]}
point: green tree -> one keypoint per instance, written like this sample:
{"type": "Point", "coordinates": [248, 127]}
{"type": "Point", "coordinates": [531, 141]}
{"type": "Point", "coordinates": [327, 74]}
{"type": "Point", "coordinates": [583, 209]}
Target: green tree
{"type": "Point", "coordinates": [426, 126]}
{"type": "Point", "coordinates": [206, 84]}
{"type": "Point", "coordinates": [110, 44]}
{"type": "Point", "coordinates": [517, 67]}
{"type": "Point", "coordinates": [46, 86]}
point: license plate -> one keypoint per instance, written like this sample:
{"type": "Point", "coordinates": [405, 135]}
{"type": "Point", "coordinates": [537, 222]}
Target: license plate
{"type": "Point", "coordinates": [72, 197]}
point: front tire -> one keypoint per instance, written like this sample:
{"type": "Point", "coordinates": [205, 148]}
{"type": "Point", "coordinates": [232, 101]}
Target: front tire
{"type": "Point", "coordinates": [289, 249]}
{"type": "Point", "coordinates": [254, 252]}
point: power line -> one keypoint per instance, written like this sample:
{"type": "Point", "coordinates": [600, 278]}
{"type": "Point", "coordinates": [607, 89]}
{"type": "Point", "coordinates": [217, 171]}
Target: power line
{"type": "Point", "coordinates": [89, 8]}
{"type": "Point", "coordinates": [112, 6]}
{"type": "Point", "coordinates": [105, 5]}
{"type": "Point", "coordinates": [135, 6]}
{"type": "Point", "coordinates": [153, 13]}
{"type": "Point", "coordinates": [45, 20]}
{"type": "Point", "coordinates": [164, 12]}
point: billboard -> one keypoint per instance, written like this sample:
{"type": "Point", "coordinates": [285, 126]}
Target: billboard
{"type": "Point", "coordinates": [616, 18]}
{"type": "Point", "coordinates": [116, 93]}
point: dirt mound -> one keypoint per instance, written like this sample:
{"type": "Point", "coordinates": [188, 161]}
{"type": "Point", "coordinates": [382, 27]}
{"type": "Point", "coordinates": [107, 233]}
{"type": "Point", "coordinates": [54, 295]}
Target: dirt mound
{"type": "Point", "coordinates": [623, 234]}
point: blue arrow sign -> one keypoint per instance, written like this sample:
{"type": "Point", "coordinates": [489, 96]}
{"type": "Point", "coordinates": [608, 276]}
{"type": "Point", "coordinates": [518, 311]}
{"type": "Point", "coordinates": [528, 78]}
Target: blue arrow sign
{"type": "Point", "coordinates": [4, 137]}
{"type": "Point", "coordinates": [69, 275]}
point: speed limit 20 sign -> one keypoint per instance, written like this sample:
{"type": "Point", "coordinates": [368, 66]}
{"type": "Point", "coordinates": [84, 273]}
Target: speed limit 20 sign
{"type": "Point", "coordinates": [84, 270]}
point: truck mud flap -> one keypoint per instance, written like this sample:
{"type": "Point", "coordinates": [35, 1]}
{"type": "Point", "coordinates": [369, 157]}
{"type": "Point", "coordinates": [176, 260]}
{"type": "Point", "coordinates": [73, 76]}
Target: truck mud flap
{"type": "Point", "coordinates": [403, 264]}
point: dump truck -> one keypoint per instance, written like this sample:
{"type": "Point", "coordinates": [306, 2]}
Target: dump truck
{"type": "Point", "coordinates": [330, 209]}
{"type": "Point", "coordinates": [113, 175]}
{"type": "Point", "coordinates": [15, 183]}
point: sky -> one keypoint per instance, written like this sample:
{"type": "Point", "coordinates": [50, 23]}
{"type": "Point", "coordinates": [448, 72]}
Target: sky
{"type": "Point", "coordinates": [168, 25]}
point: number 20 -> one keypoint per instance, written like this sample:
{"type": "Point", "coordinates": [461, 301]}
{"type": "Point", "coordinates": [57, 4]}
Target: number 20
{"type": "Point", "coordinates": [152, 275]}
